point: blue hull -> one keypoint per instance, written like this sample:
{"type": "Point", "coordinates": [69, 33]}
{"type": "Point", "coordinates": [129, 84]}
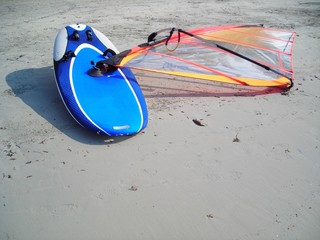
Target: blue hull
{"type": "Point", "coordinates": [112, 104]}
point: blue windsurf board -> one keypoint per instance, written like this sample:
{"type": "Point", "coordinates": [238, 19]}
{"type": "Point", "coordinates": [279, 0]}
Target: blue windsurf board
{"type": "Point", "coordinates": [111, 104]}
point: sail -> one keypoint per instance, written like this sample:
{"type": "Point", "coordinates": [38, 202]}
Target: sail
{"type": "Point", "coordinates": [245, 55]}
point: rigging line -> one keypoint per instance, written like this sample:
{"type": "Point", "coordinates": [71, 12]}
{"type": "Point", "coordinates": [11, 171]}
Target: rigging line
{"type": "Point", "coordinates": [177, 45]}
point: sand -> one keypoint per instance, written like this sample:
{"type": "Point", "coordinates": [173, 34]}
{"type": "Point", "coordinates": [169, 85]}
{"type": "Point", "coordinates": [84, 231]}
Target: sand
{"type": "Point", "coordinates": [252, 172]}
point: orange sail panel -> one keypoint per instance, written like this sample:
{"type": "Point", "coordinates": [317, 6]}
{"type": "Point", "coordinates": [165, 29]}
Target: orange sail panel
{"type": "Point", "coordinates": [245, 55]}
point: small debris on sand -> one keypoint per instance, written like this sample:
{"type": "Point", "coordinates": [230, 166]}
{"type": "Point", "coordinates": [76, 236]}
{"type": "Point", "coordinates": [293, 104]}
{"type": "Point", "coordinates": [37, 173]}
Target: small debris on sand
{"type": "Point", "coordinates": [198, 122]}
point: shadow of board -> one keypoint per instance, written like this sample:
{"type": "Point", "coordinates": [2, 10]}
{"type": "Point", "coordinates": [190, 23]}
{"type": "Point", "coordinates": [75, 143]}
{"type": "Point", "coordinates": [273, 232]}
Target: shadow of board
{"type": "Point", "coordinates": [155, 85]}
{"type": "Point", "coordinates": [36, 87]}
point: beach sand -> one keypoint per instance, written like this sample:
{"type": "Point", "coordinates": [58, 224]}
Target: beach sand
{"type": "Point", "coordinates": [252, 172]}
